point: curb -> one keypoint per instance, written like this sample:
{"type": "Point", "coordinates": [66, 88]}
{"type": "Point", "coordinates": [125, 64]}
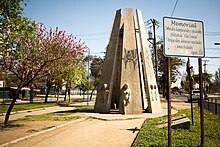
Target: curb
{"type": "Point", "coordinates": [42, 132]}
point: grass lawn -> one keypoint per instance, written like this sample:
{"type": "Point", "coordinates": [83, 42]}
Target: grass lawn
{"type": "Point", "coordinates": [55, 116]}
{"type": "Point", "coordinates": [150, 135]}
{"type": "Point", "coordinates": [28, 106]}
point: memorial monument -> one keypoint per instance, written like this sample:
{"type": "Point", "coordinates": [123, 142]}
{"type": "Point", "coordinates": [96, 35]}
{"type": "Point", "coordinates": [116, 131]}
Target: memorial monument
{"type": "Point", "coordinates": [127, 81]}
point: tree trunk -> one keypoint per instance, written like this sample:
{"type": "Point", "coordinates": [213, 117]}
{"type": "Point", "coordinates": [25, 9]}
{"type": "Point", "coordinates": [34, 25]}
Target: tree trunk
{"type": "Point", "coordinates": [164, 93]}
{"type": "Point", "coordinates": [49, 85]}
{"type": "Point", "coordinates": [65, 93]}
{"type": "Point", "coordinates": [31, 94]}
{"type": "Point", "coordinates": [92, 92]}
{"type": "Point", "coordinates": [11, 107]}
{"type": "Point", "coordinates": [58, 93]}
{"type": "Point", "coordinates": [68, 89]}
{"type": "Point", "coordinates": [46, 97]}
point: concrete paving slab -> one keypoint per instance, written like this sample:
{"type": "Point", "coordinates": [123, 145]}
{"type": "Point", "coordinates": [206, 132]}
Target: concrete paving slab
{"type": "Point", "coordinates": [91, 132]}
{"type": "Point", "coordinates": [116, 116]}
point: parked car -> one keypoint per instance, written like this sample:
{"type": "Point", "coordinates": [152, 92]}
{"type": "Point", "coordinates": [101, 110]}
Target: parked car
{"type": "Point", "coordinates": [195, 95]}
{"type": "Point", "coordinates": [206, 96]}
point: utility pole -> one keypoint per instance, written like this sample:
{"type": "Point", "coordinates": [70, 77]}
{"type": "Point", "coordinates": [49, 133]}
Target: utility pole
{"type": "Point", "coordinates": [154, 23]}
{"type": "Point", "coordinates": [205, 89]}
{"type": "Point", "coordinates": [88, 75]}
{"type": "Point", "coordinates": [188, 69]}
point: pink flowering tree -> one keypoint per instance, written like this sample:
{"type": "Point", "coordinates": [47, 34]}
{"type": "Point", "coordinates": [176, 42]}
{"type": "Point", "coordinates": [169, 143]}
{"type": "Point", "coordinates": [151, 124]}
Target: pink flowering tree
{"type": "Point", "coordinates": [36, 55]}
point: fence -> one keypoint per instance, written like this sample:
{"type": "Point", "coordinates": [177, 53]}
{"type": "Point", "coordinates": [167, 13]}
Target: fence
{"type": "Point", "coordinates": [5, 94]}
{"type": "Point", "coordinates": [213, 105]}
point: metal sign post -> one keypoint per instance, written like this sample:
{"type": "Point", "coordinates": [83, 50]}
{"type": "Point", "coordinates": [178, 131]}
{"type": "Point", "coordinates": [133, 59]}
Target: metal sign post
{"type": "Point", "coordinates": [190, 87]}
{"type": "Point", "coordinates": [183, 38]}
{"type": "Point", "coordinates": [169, 103]}
{"type": "Point", "coordinates": [201, 102]}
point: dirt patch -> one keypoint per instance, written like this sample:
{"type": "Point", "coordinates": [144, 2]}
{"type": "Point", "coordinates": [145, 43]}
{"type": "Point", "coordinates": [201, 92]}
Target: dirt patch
{"type": "Point", "coordinates": [175, 104]}
{"type": "Point", "coordinates": [26, 128]}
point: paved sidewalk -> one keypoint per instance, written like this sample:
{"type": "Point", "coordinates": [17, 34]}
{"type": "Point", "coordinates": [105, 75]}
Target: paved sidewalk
{"type": "Point", "coordinates": [106, 130]}
{"type": "Point", "coordinates": [91, 132]}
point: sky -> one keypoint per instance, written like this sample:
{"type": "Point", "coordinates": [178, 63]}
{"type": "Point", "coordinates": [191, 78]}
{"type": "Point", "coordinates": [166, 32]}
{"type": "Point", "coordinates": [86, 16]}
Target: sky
{"type": "Point", "coordinates": [91, 20]}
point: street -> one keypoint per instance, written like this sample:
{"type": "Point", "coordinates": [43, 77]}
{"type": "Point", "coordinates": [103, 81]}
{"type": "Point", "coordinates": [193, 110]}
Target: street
{"type": "Point", "coordinates": [184, 98]}
{"type": "Point", "coordinates": [180, 97]}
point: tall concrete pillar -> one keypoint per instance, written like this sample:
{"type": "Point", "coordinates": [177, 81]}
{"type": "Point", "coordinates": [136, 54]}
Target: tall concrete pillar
{"type": "Point", "coordinates": [117, 78]}
{"type": "Point", "coordinates": [105, 88]}
{"type": "Point", "coordinates": [152, 92]}
{"type": "Point", "coordinates": [130, 65]}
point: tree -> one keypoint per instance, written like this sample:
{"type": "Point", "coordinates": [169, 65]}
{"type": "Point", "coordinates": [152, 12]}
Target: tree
{"type": "Point", "coordinates": [34, 57]}
{"type": "Point", "coordinates": [58, 84]}
{"type": "Point", "coordinates": [5, 78]}
{"type": "Point", "coordinates": [96, 67]}
{"type": "Point", "coordinates": [214, 86]}
{"type": "Point", "coordinates": [217, 80]}
{"type": "Point", "coordinates": [206, 79]}
{"type": "Point", "coordinates": [13, 24]}
{"type": "Point", "coordinates": [162, 69]}
{"type": "Point", "coordinates": [83, 86]}
{"type": "Point", "coordinates": [73, 75]}
{"type": "Point", "coordinates": [185, 85]}
{"type": "Point", "coordinates": [69, 72]}
{"type": "Point", "coordinates": [53, 77]}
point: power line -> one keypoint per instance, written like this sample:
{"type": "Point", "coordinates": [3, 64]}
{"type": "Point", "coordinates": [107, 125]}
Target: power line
{"type": "Point", "coordinates": [212, 48]}
{"type": "Point", "coordinates": [211, 53]}
{"type": "Point", "coordinates": [212, 57]}
{"type": "Point", "coordinates": [96, 38]}
{"type": "Point", "coordinates": [93, 34]}
{"type": "Point", "coordinates": [212, 33]}
{"type": "Point", "coordinates": [208, 33]}
{"type": "Point", "coordinates": [213, 65]}
{"type": "Point", "coordinates": [174, 8]}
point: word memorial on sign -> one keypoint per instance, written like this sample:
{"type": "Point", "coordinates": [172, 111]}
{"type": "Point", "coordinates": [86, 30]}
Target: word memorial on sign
{"type": "Point", "coordinates": [183, 37]}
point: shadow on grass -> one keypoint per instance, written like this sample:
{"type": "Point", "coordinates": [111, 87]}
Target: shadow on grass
{"type": "Point", "coordinates": [80, 109]}
{"type": "Point", "coordinates": [27, 102]}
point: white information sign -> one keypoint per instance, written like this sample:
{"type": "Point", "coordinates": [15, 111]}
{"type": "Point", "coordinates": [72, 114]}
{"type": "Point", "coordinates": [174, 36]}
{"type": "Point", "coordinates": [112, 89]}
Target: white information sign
{"type": "Point", "coordinates": [183, 37]}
